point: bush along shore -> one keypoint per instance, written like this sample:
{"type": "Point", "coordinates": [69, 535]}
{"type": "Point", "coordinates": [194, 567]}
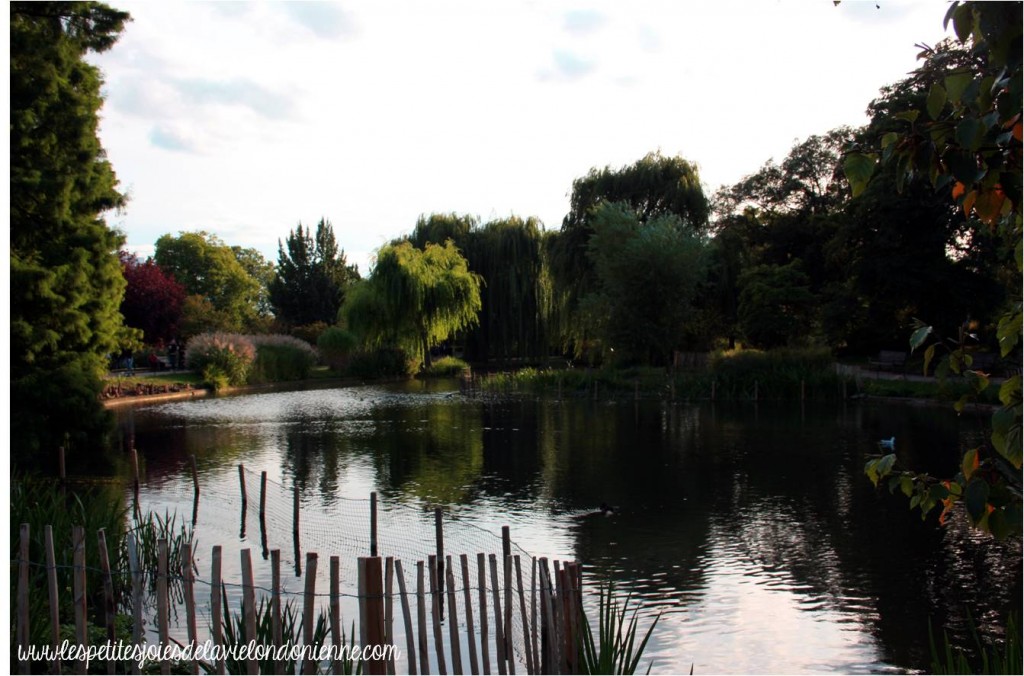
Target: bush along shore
{"type": "Point", "coordinates": [779, 375]}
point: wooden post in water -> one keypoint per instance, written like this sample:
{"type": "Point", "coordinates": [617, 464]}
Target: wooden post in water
{"type": "Point", "coordinates": [295, 511]}
{"type": "Point", "coordinates": [51, 584]}
{"type": "Point", "coordinates": [453, 620]}
{"type": "Point", "coordinates": [23, 628]}
{"type": "Point", "coordinates": [410, 636]}
{"type": "Point", "coordinates": [276, 628]}
{"type": "Point", "coordinates": [373, 523]}
{"type": "Point", "coordinates": [249, 607]}
{"type": "Point", "coordinates": [109, 607]}
{"type": "Point", "coordinates": [309, 611]}
{"type": "Point", "coordinates": [537, 669]}
{"type": "Point", "coordinates": [335, 609]}
{"type": "Point", "coordinates": [474, 664]}
{"type": "Point", "coordinates": [190, 599]}
{"type": "Point", "coordinates": [216, 609]}
{"type": "Point", "coordinates": [162, 601]}
{"type": "Point", "coordinates": [62, 469]}
{"type": "Point", "coordinates": [263, 495]}
{"type": "Point", "coordinates": [439, 540]}
{"type": "Point", "coordinates": [371, 594]}
{"type": "Point", "coordinates": [526, 621]}
{"type": "Point", "coordinates": [195, 473]}
{"type": "Point", "coordinates": [435, 611]}
{"type": "Point", "coordinates": [507, 575]}
{"type": "Point", "coordinates": [421, 616]}
{"type": "Point", "coordinates": [499, 634]}
{"type": "Point", "coordinates": [134, 455]}
{"type": "Point", "coordinates": [389, 611]}
{"type": "Point", "coordinates": [137, 599]}
{"type": "Point", "coordinates": [481, 571]}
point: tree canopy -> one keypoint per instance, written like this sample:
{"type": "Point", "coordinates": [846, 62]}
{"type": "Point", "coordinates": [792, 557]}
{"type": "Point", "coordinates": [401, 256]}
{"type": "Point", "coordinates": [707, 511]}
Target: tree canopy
{"type": "Point", "coordinates": [66, 282]}
{"type": "Point", "coordinates": [311, 277]}
{"type": "Point", "coordinates": [152, 299]}
{"type": "Point", "coordinates": [211, 272]}
{"type": "Point", "coordinates": [415, 298]}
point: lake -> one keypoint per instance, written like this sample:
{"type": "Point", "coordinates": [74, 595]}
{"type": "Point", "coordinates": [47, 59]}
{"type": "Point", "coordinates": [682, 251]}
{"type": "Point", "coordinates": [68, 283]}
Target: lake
{"type": "Point", "coordinates": [750, 528]}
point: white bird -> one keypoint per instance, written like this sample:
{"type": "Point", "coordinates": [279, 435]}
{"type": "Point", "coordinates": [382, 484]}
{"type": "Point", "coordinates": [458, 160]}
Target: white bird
{"type": "Point", "coordinates": [889, 443]}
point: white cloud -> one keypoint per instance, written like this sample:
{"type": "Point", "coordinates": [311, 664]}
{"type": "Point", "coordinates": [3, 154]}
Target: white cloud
{"type": "Point", "coordinates": [373, 113]}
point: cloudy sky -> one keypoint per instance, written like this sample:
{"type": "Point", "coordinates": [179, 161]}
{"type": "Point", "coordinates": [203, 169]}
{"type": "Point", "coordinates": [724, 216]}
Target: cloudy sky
{"type": "Point", "coordinates": [246, 118]}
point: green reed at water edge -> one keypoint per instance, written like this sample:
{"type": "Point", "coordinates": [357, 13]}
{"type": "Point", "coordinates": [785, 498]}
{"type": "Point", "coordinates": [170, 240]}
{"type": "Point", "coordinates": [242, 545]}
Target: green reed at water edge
{"type": "Point", "coordinates": [614, 650]}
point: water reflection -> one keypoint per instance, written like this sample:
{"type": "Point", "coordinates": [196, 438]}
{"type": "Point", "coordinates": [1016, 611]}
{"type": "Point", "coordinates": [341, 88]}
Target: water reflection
{"type": "Point", "coordinates": [751, 527]}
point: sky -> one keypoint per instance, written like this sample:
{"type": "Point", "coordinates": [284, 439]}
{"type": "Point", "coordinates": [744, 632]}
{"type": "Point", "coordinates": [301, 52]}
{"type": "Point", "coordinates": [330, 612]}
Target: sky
{"type": "Point", "coordinates": [245, 119]}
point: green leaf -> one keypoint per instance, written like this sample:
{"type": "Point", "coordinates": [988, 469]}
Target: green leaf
{"type": "Point", "coordinates": [1010, 391]}
{"type": "Point", "coordinates": [929, 354]}
{"type": "Point", "coordinates": [859, 168]}
{"type": "Point", "coordinates": [964, 166]}
{"type": "Point", "coordinates": [936, 101]}
{"type": "Point", "coordinates": [1006, 434]}
{"type": "Point", "coordinates": [969, 463]}
{"type": "Point", "coordinates": [907, 485]}
{"type": "Point", "coordinates": [889, 138]}
{"type": "Point", "coordinates": [1009, 331]}
{"type": "Point", "coordinates": [919, 337]}
{"type": "Point", "coordinates": [956, 84]}
{"type": "Point", "coordinates": [908, 115]}
{"type": "Point", "coordinates": [885, 465]}
{"type": "Point", "coordinates": [963, 22]}
{"type": "Point", "coordinates": [976, 498]}
{"type": "Point", "coordinates": [970, 133]}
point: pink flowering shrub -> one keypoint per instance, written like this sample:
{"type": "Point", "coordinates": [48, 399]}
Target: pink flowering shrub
{"type": "Point", "coordinates": [222, 358]}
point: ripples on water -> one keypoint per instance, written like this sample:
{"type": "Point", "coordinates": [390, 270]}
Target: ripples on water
{"type": "Point", "coordinates": [751, 529]}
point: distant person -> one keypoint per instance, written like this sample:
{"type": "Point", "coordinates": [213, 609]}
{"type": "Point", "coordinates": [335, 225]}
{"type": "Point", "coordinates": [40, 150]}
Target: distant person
{"type": "Point", "coordinates": [172, 354]}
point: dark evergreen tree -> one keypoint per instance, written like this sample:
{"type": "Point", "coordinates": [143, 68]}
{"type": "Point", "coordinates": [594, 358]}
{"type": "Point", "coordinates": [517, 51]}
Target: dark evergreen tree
{"type": "Point", "coordinates": [311, 278]}
{"type": "Point", "coordinates": [66, 282]}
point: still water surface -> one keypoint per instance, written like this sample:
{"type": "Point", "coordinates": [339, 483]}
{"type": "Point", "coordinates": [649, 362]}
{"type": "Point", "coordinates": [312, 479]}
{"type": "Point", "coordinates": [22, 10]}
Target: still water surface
{"type": "Point", "coordinates": [750, 528]}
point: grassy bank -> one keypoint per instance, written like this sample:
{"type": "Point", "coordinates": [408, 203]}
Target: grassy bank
{"type": "Point", "coordinates": [778, 375]}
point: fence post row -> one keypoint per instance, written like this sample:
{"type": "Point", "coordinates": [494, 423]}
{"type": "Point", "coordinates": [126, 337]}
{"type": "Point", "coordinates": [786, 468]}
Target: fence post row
{"type": "Point", "coordinates": [549, 627]}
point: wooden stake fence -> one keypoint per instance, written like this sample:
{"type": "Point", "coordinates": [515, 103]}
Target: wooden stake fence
{"type": "Point", "coordinates": [545, 641]}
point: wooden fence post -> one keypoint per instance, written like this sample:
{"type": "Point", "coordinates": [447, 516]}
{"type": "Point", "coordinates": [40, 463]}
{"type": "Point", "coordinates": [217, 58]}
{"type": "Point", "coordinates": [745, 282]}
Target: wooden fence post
{"type": "Point", "coordinates": [276, 628]}
{"type": "Point", "coordinates": [538, 669]}
{"type": "Point", "coordinates": [162, 601]}
{"type": "Point", "coordinates": [249, 607]}
{"type": "Point", "coordinates": [389, 611]}
{"type": "Point", "coordinates": [481, 571]}
{"type": "Point", "coordinates": [309, 612]}
{"type": "Point", "coordinates": [371, 594]}
{"type": "Point", "coordinates": [216, 609]}
{"type": "Point", "coordinates": [509, 654]}
{"type": "Point", "coordinates": [335, 610]}
{"type": "Point", "coordinates": [474, 665]}
{"type": "Point", "coordinates": [373, 523]}
{"type": "Point", "coordinates": [421, 617]}
{"type": "Point", "coordinates": [23, 628]}
{"type": "Point", "coordinates": [195, 473]}
{"type": "Point", "coordinates": [295, 511]}
{"type": "Point", "coordinates": [410, 636]}
{"type": "Point", "coordinates": [109, 608]}
{"type": "Point", "coordinates": [439, 538]}
{"type": "Point", "coordinates": [190, 599]}
{"type": "Point", "coordinates": [453, 620]}
{"type": "Point", "coordinates": [526, 622]}
{"type": "Point", "coordinates": [137, 599]}
{"type": "Point", "coordinates": [499, 634]}
{"type": "Point", "coordinates": [51, 583]}
{"type": "Point", "coordinates": [263, 495]}
{"type": "Point", "coordinates": [435, 611]}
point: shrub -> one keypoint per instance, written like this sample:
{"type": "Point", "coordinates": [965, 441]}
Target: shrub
{"type": "Point", "coordinates": [230, 353]}
{"type": "Point", "coordinates": [445, 367]}
{"type": "Point", "coordinates": [336, 346]}
{"type": "Point", "coordinates": [280, 357]}
{"type": "Point", "coordinates": [382, 363]}
{"type": "Point", "coordinates": [310, 332]}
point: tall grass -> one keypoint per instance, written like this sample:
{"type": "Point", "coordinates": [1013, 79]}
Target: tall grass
{"type": "Point", "coordinates": [445, 367]}
{"type": "Point", "coordinates": [779, 375]}
{"type": "Point", "coordinates": [614, 649]}
{"type": "Point", "coordinates": [988, 659]}
{"type": "Point", "coordinates": [281, 358]}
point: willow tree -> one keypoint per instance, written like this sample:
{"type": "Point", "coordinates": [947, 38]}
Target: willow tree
{"type": "Point", "coordinates": [66, 283]}
{"type": "Point", "coordinates": [653, 187]}
{"type": "Point", "coordinates": [415, 299]}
